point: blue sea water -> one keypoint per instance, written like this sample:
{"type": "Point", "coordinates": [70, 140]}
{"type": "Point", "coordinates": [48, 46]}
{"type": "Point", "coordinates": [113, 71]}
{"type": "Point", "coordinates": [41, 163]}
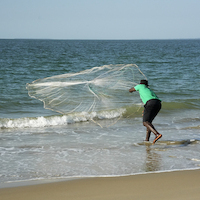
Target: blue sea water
{"type": "Point", "coordinates": [38, 144]}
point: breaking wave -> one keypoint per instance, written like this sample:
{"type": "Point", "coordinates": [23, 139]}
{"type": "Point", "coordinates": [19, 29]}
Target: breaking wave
{"type": "Point", "coordinates": [59, 120]}
{"type": "Point", "coordinates": [97, 117]}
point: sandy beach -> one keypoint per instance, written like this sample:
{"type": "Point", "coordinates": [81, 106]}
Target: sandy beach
{"type": "Point", "coordinates": [175, 185]}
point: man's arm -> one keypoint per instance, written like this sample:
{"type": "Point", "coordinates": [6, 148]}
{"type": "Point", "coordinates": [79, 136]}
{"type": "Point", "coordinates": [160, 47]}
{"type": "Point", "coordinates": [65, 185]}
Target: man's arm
{"type": "Point", "coordinates": [132, 90]}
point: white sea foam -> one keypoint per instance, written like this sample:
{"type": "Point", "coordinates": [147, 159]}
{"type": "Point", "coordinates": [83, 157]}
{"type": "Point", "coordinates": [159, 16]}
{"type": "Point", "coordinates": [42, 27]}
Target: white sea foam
{"type": "Point", "coordinates": [58, 120]}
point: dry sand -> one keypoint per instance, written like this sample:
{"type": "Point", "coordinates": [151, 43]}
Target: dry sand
{"type": "Point", "coordinates": [183, 185]}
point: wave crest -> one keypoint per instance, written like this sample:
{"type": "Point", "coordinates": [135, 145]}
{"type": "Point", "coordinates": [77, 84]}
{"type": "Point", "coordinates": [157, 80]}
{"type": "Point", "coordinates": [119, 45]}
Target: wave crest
{"type": "Point", "coordinates": [59, 120]}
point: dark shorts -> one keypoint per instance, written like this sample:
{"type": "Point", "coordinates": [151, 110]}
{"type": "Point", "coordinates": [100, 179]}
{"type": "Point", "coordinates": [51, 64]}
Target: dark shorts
{"type": "Point", "coordinates": [151, 109]}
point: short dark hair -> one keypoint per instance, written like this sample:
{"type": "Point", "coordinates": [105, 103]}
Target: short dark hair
{"type": "Point", "coordinates": [145, 82]}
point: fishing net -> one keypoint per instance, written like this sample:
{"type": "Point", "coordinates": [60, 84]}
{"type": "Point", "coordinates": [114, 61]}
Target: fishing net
{"type": "Point", "coordinates": [96, 89]}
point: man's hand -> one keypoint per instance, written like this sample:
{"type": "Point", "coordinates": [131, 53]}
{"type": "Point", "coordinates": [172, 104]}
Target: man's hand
{"type": "Point", "coordinates": [132, 90]}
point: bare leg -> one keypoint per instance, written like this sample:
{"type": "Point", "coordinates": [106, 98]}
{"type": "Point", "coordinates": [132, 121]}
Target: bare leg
{"type": "Point", "coordinates": [148, 134]}
{"type": "Point", "coordinates": [151, 128]}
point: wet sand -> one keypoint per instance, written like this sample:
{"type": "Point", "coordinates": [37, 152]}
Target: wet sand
{"type": "Point", "coordinates": [175, 185]}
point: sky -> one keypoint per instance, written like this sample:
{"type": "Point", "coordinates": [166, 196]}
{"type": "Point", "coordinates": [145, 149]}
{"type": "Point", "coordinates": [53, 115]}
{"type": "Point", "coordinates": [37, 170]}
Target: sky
{"type": "Point", "coordinates": [100, 19]}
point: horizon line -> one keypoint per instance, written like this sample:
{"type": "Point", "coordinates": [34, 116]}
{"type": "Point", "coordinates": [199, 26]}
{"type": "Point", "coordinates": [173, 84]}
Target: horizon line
{"type": "Point", "coordinates": [94, 39]}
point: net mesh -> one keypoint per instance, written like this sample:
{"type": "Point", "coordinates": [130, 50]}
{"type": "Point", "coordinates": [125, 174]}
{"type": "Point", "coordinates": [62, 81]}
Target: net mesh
{"type": "Point", "coordinates": [96, 89]}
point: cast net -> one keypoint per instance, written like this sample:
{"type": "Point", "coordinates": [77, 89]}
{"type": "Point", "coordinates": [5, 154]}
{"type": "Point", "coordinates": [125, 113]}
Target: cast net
{"type": "Point", "coordinates": [92, 90]}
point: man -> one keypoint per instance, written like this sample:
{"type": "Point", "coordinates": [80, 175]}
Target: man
{"type": "Point", "coordinates": [152, 105]}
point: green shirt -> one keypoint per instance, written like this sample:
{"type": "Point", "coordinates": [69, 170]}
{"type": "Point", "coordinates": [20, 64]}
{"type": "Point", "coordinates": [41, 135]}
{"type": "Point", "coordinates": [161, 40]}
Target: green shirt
{"type": "Point", "coordinates": [146, 94]}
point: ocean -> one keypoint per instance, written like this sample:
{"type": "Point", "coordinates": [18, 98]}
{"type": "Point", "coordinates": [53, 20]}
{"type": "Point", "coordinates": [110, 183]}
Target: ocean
{"type": "Point", "coordinates": [41, 144]}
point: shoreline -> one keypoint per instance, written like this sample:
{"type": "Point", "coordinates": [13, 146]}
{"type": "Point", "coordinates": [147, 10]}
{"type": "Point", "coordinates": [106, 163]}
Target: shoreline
{"type": "Point", "coordinates": [21, 183]}
{"type": "Point", "coordinates": [182, 184]}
